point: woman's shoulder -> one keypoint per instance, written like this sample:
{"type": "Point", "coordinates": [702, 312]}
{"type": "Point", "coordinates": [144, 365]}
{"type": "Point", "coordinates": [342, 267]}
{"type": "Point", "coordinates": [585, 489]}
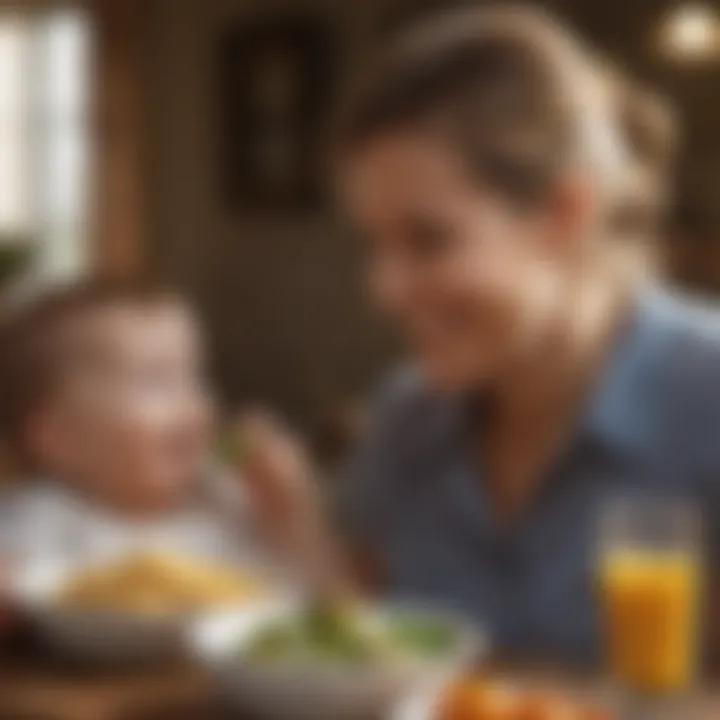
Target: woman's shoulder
{"type": "Point", "coordinates": [692, 331]}
{"type": "Point", "coordinates": [687, 378]}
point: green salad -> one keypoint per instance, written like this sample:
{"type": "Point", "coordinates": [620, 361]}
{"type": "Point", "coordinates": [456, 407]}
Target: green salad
{"type": "Point", "coordinates": [350, 636]}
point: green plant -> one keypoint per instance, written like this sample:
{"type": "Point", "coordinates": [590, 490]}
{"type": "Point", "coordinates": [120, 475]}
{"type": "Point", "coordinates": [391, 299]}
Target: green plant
{"type": "Point", "coordinates": [16, 254]}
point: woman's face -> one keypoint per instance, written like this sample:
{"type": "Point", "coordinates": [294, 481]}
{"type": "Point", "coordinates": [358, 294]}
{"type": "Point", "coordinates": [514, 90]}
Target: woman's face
{"type": "Point", "coordinates": [468, 278]}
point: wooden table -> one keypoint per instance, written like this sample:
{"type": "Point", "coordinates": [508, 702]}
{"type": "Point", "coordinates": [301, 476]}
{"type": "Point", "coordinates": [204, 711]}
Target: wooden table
{"type": "Point", "coordinates": [39, 691]}
{"type": "Point", "coordinates": [43, 692]}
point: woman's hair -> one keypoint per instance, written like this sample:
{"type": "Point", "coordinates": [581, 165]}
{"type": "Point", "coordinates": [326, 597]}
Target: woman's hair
{"type": "Point", "coordinates": [521, 100]}
{"type": "Point", "coordinates": [35, 346]}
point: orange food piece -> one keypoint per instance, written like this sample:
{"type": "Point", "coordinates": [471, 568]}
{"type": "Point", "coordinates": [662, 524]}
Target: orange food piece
{"type": "Point", "coordinates": [553, 706]}
{"type": "Point", "coordinates": [477, 700]}
{"type": "Point", "coordinates": [547, 706]}
{"type": "Point", "coordinates": [595, 713]}
{"type": "Point", "coordinates": [485, 700]}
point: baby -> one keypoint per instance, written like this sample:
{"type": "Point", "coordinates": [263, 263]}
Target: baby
{"type": "Point", "coordinates": [105, 406]}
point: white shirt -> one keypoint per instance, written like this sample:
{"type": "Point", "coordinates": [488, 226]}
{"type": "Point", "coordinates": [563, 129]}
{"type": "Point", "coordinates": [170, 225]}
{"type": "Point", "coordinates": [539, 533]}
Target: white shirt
{"type": "Point", "coordinates": [46, 523]}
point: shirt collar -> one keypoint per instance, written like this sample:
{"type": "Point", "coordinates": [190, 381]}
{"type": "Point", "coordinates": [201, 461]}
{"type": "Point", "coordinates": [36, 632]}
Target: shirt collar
{"type": "Point", "coordinates": [623, 408]}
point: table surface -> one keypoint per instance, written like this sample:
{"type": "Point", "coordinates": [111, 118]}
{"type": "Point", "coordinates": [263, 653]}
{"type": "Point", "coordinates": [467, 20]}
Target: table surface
{"type": "Point", "coordinates": [45, 692]}
{"type": "Point", "coordinates": [41, 691]}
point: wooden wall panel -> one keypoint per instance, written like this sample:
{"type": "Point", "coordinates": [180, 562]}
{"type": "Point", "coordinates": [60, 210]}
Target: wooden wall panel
{"type": "Point", "coordinates": [120, 232]}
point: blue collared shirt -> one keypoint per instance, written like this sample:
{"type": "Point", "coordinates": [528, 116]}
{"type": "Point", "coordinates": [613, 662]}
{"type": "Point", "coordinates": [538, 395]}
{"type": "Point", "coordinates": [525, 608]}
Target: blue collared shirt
{"type": "Point", "coordinates": [652, 426]}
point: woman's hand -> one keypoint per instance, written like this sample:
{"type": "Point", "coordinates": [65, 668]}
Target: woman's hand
{"type": "Point", "coordinates": [273, 463]}
{"type": "Point", "coordinates": [286, 495]}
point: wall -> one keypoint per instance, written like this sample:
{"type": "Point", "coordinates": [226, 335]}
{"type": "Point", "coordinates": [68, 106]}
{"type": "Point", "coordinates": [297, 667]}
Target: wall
{"type": "Point", "coordinates": [280, 295]}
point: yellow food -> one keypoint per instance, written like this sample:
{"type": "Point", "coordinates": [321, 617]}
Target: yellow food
{"type": "Point", "coordinates": [650, 601]}
{"type": "Point", "coordinates": [158, 583]}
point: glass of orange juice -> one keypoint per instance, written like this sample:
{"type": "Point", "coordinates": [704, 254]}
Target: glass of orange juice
{"type": "Point", "coordinates": [650, 577]}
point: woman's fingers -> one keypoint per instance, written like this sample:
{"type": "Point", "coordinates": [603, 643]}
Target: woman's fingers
{"type": "Point", "coordinates": [280, 477]}
{"type": "Point", "coordinates": [273, 462]}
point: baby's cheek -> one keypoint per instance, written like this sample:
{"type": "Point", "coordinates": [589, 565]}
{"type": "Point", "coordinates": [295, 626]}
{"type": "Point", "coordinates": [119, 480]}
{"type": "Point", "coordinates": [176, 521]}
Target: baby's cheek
{"type": "Point", "coordinates": [147, 411]}
{"type": "Point", "coordinates": [163, 416]}
{"type": "Point", "coordinates": [165, 451]}
{"type": "Point", "coordinates": [153, 441]}
{"type": "Point", "coordinates": [151, 472]}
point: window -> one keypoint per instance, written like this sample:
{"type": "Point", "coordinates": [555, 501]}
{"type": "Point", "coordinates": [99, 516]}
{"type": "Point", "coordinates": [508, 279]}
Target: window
{"type": "Point", "coordinates": [44, 136]}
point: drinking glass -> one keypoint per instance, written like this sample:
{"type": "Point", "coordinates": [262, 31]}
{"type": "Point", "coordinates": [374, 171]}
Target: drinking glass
{"type": "Point", "coordinates": [650, 570]}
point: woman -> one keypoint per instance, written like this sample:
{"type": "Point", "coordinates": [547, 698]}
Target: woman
{"type": "Point", "coordinates": [505, 193]}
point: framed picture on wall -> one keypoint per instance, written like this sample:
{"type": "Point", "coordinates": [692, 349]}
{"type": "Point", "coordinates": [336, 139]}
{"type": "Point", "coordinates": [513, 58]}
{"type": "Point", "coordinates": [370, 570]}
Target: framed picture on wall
{"type": "Point", "coordinates": [277, 82]}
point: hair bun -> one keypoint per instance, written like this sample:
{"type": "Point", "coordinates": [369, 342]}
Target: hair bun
{"type": "Point", "coordinates": [648, 129]}
{"type": "Point", "coordinates": [648, 125]}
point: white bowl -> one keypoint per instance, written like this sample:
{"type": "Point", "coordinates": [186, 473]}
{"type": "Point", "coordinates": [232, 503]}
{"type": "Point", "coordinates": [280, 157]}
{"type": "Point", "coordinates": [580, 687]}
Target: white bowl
{"type": "Point", "coordinates": [337, 692]}
{"type": "Point", "coordinates": [422, 705]}
{"type": "Point", "coordinates": [102, 636]}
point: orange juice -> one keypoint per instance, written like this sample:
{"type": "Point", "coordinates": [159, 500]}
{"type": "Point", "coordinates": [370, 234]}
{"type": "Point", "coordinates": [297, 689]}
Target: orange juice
{"type": "Point", "coordinates": [651, 601]}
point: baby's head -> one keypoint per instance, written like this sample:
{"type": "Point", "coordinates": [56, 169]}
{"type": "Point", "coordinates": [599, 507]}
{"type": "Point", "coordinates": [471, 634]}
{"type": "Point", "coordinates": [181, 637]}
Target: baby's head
{"type": "Point", "coordinates": [103, 388]}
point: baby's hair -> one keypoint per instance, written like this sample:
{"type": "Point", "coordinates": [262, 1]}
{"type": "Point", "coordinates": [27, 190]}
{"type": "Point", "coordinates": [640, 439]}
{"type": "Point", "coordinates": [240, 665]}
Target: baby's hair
{"type": "Point", "coordinates": [34, 351]}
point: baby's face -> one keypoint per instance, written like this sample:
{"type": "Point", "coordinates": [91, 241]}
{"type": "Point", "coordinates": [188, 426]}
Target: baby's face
{"type": "Point", "coordinates": [132, 419]}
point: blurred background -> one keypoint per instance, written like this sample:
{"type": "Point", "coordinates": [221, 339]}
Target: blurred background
{"type": "Point", "coordinates": [184, 138]}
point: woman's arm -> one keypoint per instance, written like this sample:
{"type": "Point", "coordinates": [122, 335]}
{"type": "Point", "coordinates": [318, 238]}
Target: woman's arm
{"type": "Point", "coordinates": [340, 540]}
